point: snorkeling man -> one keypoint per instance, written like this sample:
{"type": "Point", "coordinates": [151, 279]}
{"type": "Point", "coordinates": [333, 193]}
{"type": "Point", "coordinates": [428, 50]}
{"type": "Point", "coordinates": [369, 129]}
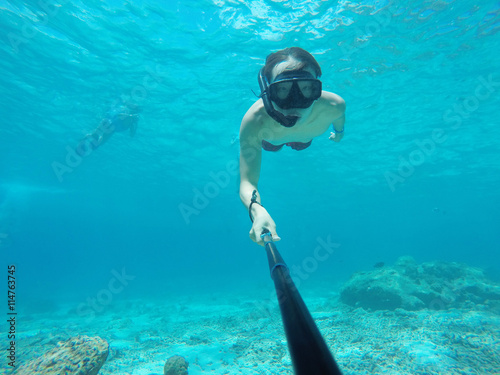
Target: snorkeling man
{"type": "Point", "coordinates": [120, 118]}
{"type": "Point", "coordinates": [291, 111]}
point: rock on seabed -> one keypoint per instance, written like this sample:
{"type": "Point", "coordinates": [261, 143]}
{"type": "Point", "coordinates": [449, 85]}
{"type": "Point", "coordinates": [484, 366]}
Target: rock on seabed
{"type": "Point", "coordinates": [81, 355]}
{"type": "Point", "coordinates": [411, 286]}
{"type": "Point", "coordinates": [176, 365]}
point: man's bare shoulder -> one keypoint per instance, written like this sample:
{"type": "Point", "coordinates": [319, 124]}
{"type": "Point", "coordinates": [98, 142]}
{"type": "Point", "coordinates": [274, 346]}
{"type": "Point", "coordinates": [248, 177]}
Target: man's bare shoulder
{"type": "Point", "coordinates": [332, 103]}
{"type": "Point", "coordinates": [333, 99]}
{"type": "Point", "coordinates": [256, 115]}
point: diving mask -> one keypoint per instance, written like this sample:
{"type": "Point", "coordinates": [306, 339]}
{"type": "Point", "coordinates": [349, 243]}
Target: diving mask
{"type": "Point", "coordinates": [293, 89]}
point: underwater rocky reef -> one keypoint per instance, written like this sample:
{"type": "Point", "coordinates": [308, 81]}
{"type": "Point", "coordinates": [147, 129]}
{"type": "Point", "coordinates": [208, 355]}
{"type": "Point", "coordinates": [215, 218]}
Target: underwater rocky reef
{"type": "Point", "coordinates": [407, 318]}
{"type": "Point", "coordinates": [411, 286]}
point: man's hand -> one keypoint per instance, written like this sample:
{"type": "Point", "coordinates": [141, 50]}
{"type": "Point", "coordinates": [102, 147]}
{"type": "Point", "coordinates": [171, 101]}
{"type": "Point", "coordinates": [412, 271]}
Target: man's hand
{"type": "Point", "coordinates": [336, 137]}
{"type": "Point", "coordinates": [262, 220]}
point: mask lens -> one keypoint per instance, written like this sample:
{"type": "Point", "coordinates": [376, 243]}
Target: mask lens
{"type": "Point", "coordinates": [295, 93]}
{"type": "Point", "coordinates": [282, 90]}
{"type": "Point", "coordinates": [306, 88]}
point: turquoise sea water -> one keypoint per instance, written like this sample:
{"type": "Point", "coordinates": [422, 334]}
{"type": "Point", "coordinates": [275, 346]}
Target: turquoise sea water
{"type": "Point", "coordinates": [417, 173]}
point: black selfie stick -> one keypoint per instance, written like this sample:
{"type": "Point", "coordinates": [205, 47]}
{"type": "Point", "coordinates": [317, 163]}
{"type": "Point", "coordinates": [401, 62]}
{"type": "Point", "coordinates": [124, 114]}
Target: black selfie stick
{"type": "Point", "coordinates": [309, 352]}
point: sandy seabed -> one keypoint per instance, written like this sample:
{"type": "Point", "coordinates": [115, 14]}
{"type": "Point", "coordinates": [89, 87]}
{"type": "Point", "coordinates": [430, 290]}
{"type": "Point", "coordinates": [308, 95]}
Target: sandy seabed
{"type": "Point", "coordinates": [243, 334]}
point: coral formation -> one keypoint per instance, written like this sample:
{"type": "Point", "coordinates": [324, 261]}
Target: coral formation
{"type": "Point", "coordinates": [412, 286]}
{"type": "Point", "coordinates": [176, 365]}
{"type": "Point", "coordinates": [81, 355]}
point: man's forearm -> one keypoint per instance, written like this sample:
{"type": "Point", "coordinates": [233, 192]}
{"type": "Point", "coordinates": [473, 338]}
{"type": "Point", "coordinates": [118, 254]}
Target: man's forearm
{"type": "Point", "coordinates": [338, 124]}
{"type": "Point", "coordinates": [246, 191]}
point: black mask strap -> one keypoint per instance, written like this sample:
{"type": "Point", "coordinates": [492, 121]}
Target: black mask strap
{"type": "Point", "coordinates": [286, 121]}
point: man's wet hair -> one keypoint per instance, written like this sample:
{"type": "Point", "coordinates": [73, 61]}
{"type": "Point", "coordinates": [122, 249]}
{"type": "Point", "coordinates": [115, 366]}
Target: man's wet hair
{"type": "Point", "coordinates": [305, 59]}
